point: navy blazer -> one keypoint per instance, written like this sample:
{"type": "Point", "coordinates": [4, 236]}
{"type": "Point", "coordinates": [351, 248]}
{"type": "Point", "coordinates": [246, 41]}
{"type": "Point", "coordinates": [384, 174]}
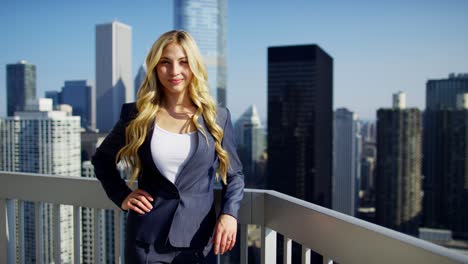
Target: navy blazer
{"type": "Point", "coordinates": [183, 212]}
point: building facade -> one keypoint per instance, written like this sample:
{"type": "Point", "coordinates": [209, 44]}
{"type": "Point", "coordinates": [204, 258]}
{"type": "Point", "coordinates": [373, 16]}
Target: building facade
{"type": "Point", "coordinates": [346, 162]}
{"type": "Point", "coordinates": [21, 85]}
{"type": "Point", "coordinates": [398, 172]}
{"type": "Point", "coordinates": [206, 20]}
{"type": "Point", "coordinates": [114, 85]}
{"type": "Point", "coordinates": [81, 96]}
{"type": "Point", "coordinates": [139, 78]}
{"type": "Point", "coordinates": [452, 128]}
{"type": "Point", "coordinates": [251, 145]}
{"type": "Point", "coordinates": [300, 126]}
{"type": "Point", "coordinates": [39, 140]}
{"type": "Point", "coordinates": [441, 102]}
{"type": "Point", "coordinates": [300, 121]}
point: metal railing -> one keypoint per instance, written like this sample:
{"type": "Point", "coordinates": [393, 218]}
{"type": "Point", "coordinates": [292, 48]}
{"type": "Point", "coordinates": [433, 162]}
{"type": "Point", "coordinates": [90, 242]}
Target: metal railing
{"type": "Point", "coordinates": [337, 237]}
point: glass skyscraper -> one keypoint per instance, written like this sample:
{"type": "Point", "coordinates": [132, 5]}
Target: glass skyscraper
{"type": "Point", "coordinates": [205, 20]}
{"type": "Point", "coordinates": [445, 154]}
{"type": "Point", "coordinates": [21, 85]}
{"type": "Point", "coordinates": [346, 166]}
{"type": "Point", "coordinates": [300, 127]}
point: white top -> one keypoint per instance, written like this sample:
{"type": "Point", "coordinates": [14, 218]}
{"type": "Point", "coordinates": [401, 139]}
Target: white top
{"type": "Point", "coordinates": [171, 151]}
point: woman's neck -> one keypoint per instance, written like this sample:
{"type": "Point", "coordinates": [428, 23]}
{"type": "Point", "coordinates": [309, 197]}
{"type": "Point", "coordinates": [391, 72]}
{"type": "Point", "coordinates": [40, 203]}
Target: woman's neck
{"type": "Point", "coordinates": [177, 104]}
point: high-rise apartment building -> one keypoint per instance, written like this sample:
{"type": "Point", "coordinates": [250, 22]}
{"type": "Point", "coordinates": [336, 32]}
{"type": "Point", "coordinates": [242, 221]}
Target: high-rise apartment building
{"type": "Point", "coordinates": [346, 162]}
{"type": "Point", "coordinates": [300, 121]}
{"type": "Point", "coordinates": [441, 107]}
{"type": "Point", "coordinates": [205, 20]}
{"type": "Point", "coordinates": [39, 140]}
{"type": "Point", "coordinates": [21, 85]}
{"type": "Point", "coordinates": [114, 85]}
{"type": "Point", "coordinates": [251, 145]}
{"type": "Point", "coordinates": [398, 172]}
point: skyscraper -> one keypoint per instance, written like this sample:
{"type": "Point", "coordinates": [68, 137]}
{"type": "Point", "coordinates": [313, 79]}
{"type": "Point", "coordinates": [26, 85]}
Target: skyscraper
{"type": "Point", "coordinates": [56, 97]}
{"type": "Point", "coordinates": [251, 144]}
{"type": "Point", "coordinates": [39, 140]}
{"type": "Point", "coordinates": [205, 20]}
{"type": "Point", "coordinates": [81, 95]}
{"type": "Point", "coordinates": [21, 85]}
{"type": "Point", "coordinates": [398, 173]}
{"type": "Point", "coordinates": [452, 132]}
{"type": "Point", "coordinates": [139, 78]}
{"type": "Point", "coordinates": [441, 98]}
{"type": "Point", "coordinates": [300, 126]}
{"type": "Point", "coordinates": [114, 84]}
{"type": "Point", "coordinates": [300, 121]}
{"type": "Point", "coordinates": [346, 162]}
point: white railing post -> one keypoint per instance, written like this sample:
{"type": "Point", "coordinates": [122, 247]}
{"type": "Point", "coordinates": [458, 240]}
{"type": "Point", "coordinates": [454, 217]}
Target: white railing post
{"type": "Point", "coordinates": [243, 237]}
{"type": "Point", "coordinates": [268, 237]}
{"type": "Point", "coordinates": [305, 255]}
{"type": "Point", "coordinates": [287, 250]}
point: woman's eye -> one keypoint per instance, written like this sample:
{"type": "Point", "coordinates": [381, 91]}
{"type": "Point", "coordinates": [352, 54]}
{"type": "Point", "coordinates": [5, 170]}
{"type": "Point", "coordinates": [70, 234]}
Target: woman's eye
{"type": "Point", "coordinates": [164, 62]}
{"type": "Point", "coordinates": [183, 62]}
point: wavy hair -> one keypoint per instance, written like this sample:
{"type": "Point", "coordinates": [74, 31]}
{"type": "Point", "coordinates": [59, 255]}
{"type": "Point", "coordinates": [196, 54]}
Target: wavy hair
{"type": "Point", "coordinates": [150, 96]}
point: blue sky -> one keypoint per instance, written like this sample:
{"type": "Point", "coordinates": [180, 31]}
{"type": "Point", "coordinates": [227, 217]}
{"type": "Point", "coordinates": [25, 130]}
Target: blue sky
{"type": "Point", "coordinates": [378, 47]}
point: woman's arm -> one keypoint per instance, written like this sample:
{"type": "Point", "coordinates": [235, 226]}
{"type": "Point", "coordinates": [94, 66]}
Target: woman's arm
{"type": "Point", "coordinates": [104, 159]}
{"type": "Point", "coordinates": [225, 233]}
{"type": "Point", "coordinates": [233, 191]}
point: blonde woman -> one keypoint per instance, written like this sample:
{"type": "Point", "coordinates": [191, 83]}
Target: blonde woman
{"type": "Point", "coordinates": [177, 144]}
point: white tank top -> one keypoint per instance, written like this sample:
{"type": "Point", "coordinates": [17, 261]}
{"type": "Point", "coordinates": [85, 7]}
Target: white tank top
{"type": "Point", "coordinates": [171, 151]}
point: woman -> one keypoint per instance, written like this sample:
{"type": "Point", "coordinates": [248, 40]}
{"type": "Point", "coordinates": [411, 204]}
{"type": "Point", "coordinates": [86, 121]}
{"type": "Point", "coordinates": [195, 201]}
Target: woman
{"type": "Point", "coordinates": [176, 143]}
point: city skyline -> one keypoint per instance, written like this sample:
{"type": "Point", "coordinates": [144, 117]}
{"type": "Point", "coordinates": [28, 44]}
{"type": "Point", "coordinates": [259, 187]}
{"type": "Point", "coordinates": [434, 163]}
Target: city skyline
{"type": "Point", "coordinates": [378, 48]}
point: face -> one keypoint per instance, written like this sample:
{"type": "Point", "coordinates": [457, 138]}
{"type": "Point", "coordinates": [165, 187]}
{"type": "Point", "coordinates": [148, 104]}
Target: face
{"type": "Point", "coordinates": [173, 69]}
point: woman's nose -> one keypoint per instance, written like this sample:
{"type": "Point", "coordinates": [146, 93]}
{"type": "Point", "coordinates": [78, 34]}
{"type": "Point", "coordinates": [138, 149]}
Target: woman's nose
{"type": "Point", "coordinates": [175, 69]}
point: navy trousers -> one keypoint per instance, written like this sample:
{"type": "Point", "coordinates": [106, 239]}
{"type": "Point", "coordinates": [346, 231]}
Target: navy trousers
{"type": "Point", "coordinates": [143, 253]}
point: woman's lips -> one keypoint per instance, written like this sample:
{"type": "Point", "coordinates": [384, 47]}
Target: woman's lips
{"type": "Point", "coordinates": [176, 81]}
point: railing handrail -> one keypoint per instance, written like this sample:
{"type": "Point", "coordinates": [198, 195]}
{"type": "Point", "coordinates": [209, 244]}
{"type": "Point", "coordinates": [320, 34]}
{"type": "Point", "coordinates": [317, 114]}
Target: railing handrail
{"type": "Point", "coordinates": [341, 237]}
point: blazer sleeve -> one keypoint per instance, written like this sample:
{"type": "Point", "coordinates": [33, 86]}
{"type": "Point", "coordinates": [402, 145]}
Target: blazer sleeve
{"type": "Point", "coordinates": [233, 192]}
{"type": "Point", "coordinates": [104, 159]}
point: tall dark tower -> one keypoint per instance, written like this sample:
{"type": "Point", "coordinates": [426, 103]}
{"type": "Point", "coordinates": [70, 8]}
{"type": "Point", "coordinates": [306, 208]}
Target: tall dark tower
{"type": "Point", "coordinates": [452, 166]}
{"type": "Point", "coordinates": [21, 86]}
{"type": "Point", "coordinates": [300, 120]}
{"type": "Point", "coordinates": [398, 174]}
{"type": "Point", "coordinates": [441, 120]}
{"type": "Point", "coordinates": [300, 126]}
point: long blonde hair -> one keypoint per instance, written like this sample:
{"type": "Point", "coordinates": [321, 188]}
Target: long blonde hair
{"type": "Point", "coordinates": [150, 97]}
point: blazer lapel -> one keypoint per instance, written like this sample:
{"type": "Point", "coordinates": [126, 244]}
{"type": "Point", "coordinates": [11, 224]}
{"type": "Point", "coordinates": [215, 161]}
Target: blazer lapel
{"type": "Point", "coordinates": [147, 158]}
{"type": "Point", "coordinates": [201, 146]}
{"type": "Point", "coordinates": [146, 155]}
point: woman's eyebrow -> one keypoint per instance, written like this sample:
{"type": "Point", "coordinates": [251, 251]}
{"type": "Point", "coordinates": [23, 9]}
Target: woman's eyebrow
{"type": "Point", "coordinates": [167, 58]}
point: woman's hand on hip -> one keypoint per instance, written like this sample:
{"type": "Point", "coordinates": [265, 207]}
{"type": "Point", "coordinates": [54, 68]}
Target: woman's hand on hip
{"type": "Point", "coordinates": [224, 237]}
{"type": "Point", "coordinates": [138, 201]}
